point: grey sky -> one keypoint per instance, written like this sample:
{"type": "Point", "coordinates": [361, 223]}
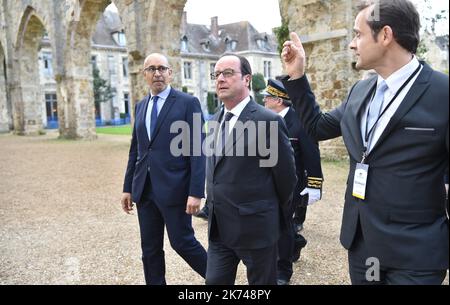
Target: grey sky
{"type": "Point", "coordinates": [265, 14]}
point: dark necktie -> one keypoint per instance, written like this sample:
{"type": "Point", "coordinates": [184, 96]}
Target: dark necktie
{"type": "Point", "coordinates": [223, 134]}
{"type": "Point", "coordinates": [154, 116]}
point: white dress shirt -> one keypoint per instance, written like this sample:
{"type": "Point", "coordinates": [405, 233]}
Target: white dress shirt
{"type": "Point", "coordinates": [161, 100]}
{"type": "Point", "coordinates": [394, 82]}
{"type": "Point", "coordinates": [236, 111]}
{"type": "Point", "coordinates": [283, 112]}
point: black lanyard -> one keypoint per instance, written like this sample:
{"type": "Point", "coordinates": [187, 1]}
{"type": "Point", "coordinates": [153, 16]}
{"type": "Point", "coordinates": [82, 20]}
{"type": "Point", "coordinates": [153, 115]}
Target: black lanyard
{"type": "Point", "coordinates": [368, 134]}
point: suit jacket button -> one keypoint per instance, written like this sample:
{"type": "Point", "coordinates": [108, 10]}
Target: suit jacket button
{"type": "Point", "coordinates": [148, 168]}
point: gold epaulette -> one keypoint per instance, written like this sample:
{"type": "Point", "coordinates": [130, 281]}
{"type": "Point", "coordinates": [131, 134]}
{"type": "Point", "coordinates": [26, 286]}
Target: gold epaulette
{"type": "Point", "coordinates": [274, 91]}
{"type": "Point", "coordinates": [314, 183]}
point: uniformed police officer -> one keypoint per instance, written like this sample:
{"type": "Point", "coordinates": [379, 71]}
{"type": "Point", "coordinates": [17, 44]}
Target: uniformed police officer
{"type": "Point", "coordinates": [309, 173]}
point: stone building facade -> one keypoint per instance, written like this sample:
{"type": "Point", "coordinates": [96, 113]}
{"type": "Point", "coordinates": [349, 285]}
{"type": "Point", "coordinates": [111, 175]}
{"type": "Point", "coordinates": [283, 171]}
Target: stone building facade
{"type": "Point", "coordinates": [109, 56]}
{"type": "Point", "coordinates": [201, 47]}
{"type": "Point", "coordinates": [150, 26]}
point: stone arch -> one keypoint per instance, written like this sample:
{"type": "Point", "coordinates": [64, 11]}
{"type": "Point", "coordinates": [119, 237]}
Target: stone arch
{"type": "Point", "coordinates": [26, 94]}
{"type": "Point", "coordinates": [149, 27]}
{"type": "Point", "coordinates": [4, 111]}
{"type": "Point", "coordinates": [75, 91]}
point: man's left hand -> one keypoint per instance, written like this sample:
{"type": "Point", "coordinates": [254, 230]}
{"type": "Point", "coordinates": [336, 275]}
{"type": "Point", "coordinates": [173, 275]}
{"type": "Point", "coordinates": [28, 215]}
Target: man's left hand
{"type": "Point", "coordinates": [193, 205]}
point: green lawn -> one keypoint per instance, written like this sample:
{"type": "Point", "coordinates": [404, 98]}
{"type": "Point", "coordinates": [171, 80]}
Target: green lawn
{"type": "Point", "coordinates": [116, 130]}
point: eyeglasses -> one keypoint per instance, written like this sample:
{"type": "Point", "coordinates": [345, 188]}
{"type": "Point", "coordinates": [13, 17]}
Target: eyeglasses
{"type": "Point", "coordinates": [153, 69]}
{"type": "Point", "coordinates": [226, 73]}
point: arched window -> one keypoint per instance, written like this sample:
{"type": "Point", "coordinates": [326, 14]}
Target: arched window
{"type": "Point", "coordinates": [184, 44]}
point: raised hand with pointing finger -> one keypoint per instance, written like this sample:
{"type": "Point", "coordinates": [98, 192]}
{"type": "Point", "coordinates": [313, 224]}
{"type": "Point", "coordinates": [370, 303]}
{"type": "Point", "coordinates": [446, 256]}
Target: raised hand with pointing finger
{"type": "Point", "coordinates": [294, 57]}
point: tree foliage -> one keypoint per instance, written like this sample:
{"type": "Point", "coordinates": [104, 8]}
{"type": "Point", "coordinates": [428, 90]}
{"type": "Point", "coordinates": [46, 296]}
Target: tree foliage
{"type": "Point", "coordinates": [103, 91]}
{"type": "Point", "coordinates": [422, 50]}
{"type": "Point", "coordinates": [282, 33]}
{"type": "Point", "coordinates": [258, 84]}
{"type": "Point", "coordinates": [210, 103]}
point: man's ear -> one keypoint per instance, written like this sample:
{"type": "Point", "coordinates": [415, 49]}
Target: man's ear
{"type": "Point", "coordinates": [386, 35]}
{"type": "Point", "coordinates": [248, 78]}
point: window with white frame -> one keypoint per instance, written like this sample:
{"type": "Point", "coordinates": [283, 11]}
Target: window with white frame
{"type": "Point", "coordinates": [119, 38]}
{"type": "Point", "coordinates": [211, 69]}
{"type": "Point", "coordinates": [51, 106]}
{"type": "Point", "coordinates": [126, 102]}
{"type": "Point", "coordinates": [47, 59]}
{"type": "Point", "coordinates": [184, 44]}
{"type": "Point", "coordinates": [111, 65]}
{"type": "Point", "coordinates": [267, 69]}
{"type": "Point", "coordinates": [187, 70]}
{"type": "Point", "coordinates": [125, 66]}
{"type": "Point", "coordinates": [94, 62]}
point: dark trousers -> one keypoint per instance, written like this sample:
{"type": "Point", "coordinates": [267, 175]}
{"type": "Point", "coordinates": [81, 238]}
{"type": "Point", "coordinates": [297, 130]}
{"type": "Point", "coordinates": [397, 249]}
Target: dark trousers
{"type": "Point", "coordinates": [152, 219]}
{"type": "Point", "coordinates": [223, 262]}
{"type": "Point", "coordinates": [300, 211]}
{"type": "Point", "coordinates": [362, 274]}
{"type": "Point", "coordinates": [285, 252]}
{"type": "Point", "coordinates": [286, 246]}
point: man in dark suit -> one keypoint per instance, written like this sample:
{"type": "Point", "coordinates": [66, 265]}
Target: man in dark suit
{"type": "Point", "coordinates": [166, 186]}
{"type": "Point", "coordinates": [395, 128]}
{"type": "Point", "coordinates": [309, 177]}
{"type": "Point", "coordinates": [247, 188]}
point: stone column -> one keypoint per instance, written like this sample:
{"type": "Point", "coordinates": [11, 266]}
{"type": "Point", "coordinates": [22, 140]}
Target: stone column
{"type": "Point", "coordinates": [4, 113]}
{"type": "Point", "coordinates": [152, 28]}
{"type": "Point", "coordinates": [26, 93]}
{"type": "Point", "coordinates": [76, 107]}
{"type": "Point", "coordinates": [326, 30]}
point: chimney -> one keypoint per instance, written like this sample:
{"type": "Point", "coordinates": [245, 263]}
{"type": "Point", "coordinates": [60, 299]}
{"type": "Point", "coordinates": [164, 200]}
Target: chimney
{"type": "Point", "coordinates": [184, 23]}
{"type": "Point", "coordinates": [215, 26]}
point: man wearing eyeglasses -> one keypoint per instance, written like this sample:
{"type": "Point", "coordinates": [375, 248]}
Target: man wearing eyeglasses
{"type": "Point", "coordinates": [246, 200]}
{"type": "Point", "coordinates": [167, 188]}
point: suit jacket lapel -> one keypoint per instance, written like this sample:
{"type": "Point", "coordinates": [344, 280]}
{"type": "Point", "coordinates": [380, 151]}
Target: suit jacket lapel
{"type": "Point", "coordinates": [215, 120]}
{"type": "Point", "coordinates": [416, 91]}
{"type": "Point", "coordinates": [164, 111]}
{"type": "Point", "coordinates": [354, 120]}
{"type": "Point", "coordinates": [141, 116]}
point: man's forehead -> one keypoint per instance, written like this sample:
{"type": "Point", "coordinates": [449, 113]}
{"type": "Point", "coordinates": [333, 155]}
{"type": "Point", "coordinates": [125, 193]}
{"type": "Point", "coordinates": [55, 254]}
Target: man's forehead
{"type": "Point", "coordinates": [155, 60]}
{"type": "Point", "coordinates": [362, 18]}
{"type": "Point", "coordinates": [365, 14]}
{"type": "Point", "coordinates": [230, 61]}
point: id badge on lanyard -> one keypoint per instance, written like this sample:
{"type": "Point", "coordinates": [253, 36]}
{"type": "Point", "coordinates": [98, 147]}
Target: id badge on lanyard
{"type": "Point", "coordinates": [360, 181]}
{"type": "Point", "coordinates": [362, 169]}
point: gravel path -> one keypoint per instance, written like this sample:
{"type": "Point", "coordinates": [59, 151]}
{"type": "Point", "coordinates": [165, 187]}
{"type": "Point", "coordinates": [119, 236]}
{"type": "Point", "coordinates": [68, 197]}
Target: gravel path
{"type": "Point", "coordinates": [61, 221]}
